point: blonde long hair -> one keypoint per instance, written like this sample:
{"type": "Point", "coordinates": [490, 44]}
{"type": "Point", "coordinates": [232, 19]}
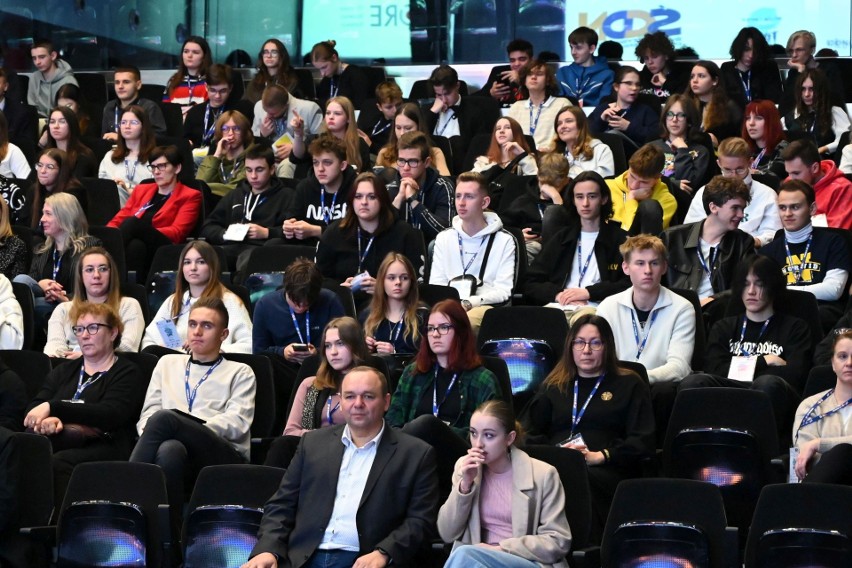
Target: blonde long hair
{"type": "Point", "coordinates": [350, 138]}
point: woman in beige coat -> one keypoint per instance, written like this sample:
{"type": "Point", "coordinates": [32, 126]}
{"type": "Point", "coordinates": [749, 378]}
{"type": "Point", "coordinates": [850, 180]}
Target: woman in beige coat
{"type": "Point", "coordinates": [505, 509]}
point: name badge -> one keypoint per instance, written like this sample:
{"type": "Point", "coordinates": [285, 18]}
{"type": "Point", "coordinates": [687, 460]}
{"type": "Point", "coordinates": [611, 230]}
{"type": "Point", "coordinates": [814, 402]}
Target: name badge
{"type": "Point", "coordinates": [357, 281]}
{"type": "Point", "coordinates": [791, 474]}
{"type": "Point", "coordinates": [236, 232]}
{"type": "Point", "coordinates": [575, 440]}
{"type": "Point", "coordinates": [170, 335]}
{"type": "Point", "coordinates": [742, 368]}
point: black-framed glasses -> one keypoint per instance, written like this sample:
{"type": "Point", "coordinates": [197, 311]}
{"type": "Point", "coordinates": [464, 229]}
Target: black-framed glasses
{"type": "Point", "coordinates": [92, 328]}
{"type": "Point", "coordinates": [580, 345]}
{"type": "Point", "coordinates": [677, 115]}
{"type": "Point", "coordinates": [442, 329]}
{"type": "Point", "coordinates": [411, 163]}
{"type": "Point", "coordinates": [158, 167]}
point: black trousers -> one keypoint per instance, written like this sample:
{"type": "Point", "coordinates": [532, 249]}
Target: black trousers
{"type": "Point", "coordinates": [449, 447]}
{"type": "Point", "coordinates": [834, 466]}
{"type": "Point", "coordinates": [141, 241]}
{"type": "Point", "coordinates": [648, 219]}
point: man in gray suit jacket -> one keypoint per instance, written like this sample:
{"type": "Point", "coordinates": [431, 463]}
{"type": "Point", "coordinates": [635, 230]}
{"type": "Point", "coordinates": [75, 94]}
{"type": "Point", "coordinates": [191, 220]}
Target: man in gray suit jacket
{"type": "Point", "coordinates": [361, 495]}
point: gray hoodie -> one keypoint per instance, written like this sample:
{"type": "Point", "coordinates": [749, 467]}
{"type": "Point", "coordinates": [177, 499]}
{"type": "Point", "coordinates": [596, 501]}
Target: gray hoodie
{"type": "Point", "coordinates": [42, 94]}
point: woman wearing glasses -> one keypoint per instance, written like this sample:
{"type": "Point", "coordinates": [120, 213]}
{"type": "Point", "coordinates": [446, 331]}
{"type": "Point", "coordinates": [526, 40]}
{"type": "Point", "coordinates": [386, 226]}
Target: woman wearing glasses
{"type": "Point", "coordinates": [273, 68]}
{"type": "Point", "coordinates": [440, 390]}
{"type": "Point", "coordinates": [591, 405]}
{"type": "Point", "coordinates": [97, 280]}
{"type": "Point", "coordinates": [622, 114]}
{"type": "Point", "coordinates": [681, 140]}
{"type": "Point", "coordinates": [157, 214]}
{"type": "Point", "coordinates": [226, 168]}
{"type": "Point", "coordinates": [88, 408]}
{"type": "Point", "coordinates": [127, 163]}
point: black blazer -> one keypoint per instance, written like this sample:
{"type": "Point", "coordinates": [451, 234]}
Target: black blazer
{"type": "Point", "coordinates": [398, 509]}
{"type": "Point", "coordinates": [472, 117]}
{"type": "Point", "coordinates": [547, 274]}
{"type": "Point", "coordinates": [685, 271]}
{"type": "Point", "coordinates": [765, 83]}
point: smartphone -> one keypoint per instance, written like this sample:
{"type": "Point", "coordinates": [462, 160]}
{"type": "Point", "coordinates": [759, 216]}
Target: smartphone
{"type": "Point", "coordinates": [301, 347]}
{"type": "Point", "coordinates": [190, 416]}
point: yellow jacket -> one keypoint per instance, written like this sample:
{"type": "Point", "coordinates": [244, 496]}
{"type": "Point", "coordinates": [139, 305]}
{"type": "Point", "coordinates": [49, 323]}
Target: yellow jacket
{"type": "Point", "coordinates": [624, 208]}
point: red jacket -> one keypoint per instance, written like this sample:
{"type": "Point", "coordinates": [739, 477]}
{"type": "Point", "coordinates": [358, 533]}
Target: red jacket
{"type": "Point", "coordinates": [834, 196]}
{"type": "Point", "coordinates": [176, 219]}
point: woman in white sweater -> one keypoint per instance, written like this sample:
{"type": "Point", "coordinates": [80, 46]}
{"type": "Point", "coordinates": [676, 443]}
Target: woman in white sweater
{"type": "Point", "coordinates": [96, 280]}
{"type": "Point", "coordinates": [13, 163]}
{"type": "Point", "coordinates": [127, 163]}
{"type": "Point", "coordinates": [198, 278]}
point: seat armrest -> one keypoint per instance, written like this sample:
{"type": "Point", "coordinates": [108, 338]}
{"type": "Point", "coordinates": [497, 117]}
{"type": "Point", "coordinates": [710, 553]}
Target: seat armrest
{"type": "Point", "coordinates": [732, 547]}
{"type": "Point", "coordinates": [45, 534]}
{"type": "Point", "coordinates": [587, 557]}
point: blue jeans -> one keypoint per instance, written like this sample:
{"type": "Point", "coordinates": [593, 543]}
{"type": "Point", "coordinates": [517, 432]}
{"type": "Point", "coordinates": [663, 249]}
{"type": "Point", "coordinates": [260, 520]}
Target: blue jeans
{"type": "Point", "coordinates": [470, 556]}
{"type": "Point", "coordinates": [332, 559]}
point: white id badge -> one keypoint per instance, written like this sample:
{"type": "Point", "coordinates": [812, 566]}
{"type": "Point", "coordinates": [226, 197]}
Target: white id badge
{"type": "Point", "coordinates": [236, 232]}
{"type": "Point", "coordinates": [464, 287]}
{"type": "Point", "coordinates": [791, 474]}
{"type": "Point", "coordinates": [170, 335]}
{"type": "Point", "coordinates": [575, 440]}
{"type": "Point", "coordinates": [355, 283]}
{"type": "Point", "coordinates": [742, 368]}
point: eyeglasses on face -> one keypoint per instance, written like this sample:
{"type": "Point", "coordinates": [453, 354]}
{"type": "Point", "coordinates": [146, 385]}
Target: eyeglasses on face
{"type": "Point", "coordinates": [737, 171]}
{"type": "Point", "coordinates": [158, 167]}
{"type": "Point", "coordinates": [580, 345]}
{"type": "Point", "coordinates": [411, 163]}
{"type": "Point", "coordinates": [677, 115]}
{"type": "Point", "coordinates": [133, 122]}
{"type": "Point", "coordinates": [92, 328]}
{"type": "Point", "coordinates": [234, 129]}
{"type": "Point", "coordinates": [270, 52]}
{"type": "Point", "coordinates": [442, 329]}
{"type": "Point", "coordinates": [98, 269]}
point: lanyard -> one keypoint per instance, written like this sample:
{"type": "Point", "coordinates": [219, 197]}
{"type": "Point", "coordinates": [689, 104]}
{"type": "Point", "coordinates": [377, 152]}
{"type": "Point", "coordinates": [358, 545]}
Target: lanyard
{"type": "Point", "coordinates": [447, 122]}
{"type": "Point", "coordinates": [711, 259]}
{"type": "Point", "coordinates": [330, 411]}
{"type": "Point", "coordinates": [334, 88]}
{"type": "Point", "coordinates": [435, 406]}
{"type": "Point", "coordinates": [117, 128]}
{"type": "Point", "coordinates": [151, 203]}
{"type": "Point", "coordinates": [57, 263]}
{"type": "Point", "coordinates": [797, 270]}
{"type": "Point", "coordinates": [811, 417]}
{"type": "Point", "coordinates": [191, 87]}
{"type": "Point", "coordinates": [130, 174]}
{"type": "Point", "coordinates": [581, 87]}
{"type": "Point", "coordinates": [534, 124]}
{"type": "Point", "coordinates": [208, 130]}
{"type": "Point", "coordinates": [575, 417]}
{"type": "Point", "coordinates": [327, 213]}
{"type": "Point", "coordinates": [745, 79]}
{"type": "Point", "coordinates": [461, 253]}
{"type": "Point", "coordinates": [640, 347]}
{"type": "Point", "coordinates": [743, 352]}
{"type": "Point", "coordinates": [280, 127]}
{"type": "Point", "coordinates": [377, 130]}
{"type": "Point", "coordinates": [81, 386]}
{"type": "Point", "coordinates": [756, 162]}
{"type": "Point", "coordinates": [190, 396]}
{"type": "Point", "coordinates": [227, 177]}
{"type": "Point", "coordinates": [248, 209]}
{"type": "Point", "coordinates": [585, 266]}
{"type": "Point", "coordinates": [296, 325]}
{"type": "Point", "coordinates": [361, 257]}
{"type": "Point", "coordinates": [395, 330]}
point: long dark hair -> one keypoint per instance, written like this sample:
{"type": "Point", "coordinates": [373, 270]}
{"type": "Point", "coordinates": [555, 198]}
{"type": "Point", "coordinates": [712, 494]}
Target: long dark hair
{"type": "Point", "coordinates": [463, 355]}
{"type": "Point", "coordinates": [285, 76]}
{"type": "Point", "coordinates": [822, 100]}
{"type": "Point", "coordinates": [349, 223]}
{"type": "Point", "coordinates": [182, 71]}
{"type": "Point", "coordinates": [147, 142]}
{"type": "Point", "coordinates": [566, 370]}
{"type": "Point", "coordinates": [75, 147]}
{"type": "Point", "coordinates": [597, 179]}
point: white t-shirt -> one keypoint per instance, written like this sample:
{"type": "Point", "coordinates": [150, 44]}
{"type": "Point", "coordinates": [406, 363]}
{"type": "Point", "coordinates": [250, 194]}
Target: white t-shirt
{"type": "Point", "coordinates": [585, 254]}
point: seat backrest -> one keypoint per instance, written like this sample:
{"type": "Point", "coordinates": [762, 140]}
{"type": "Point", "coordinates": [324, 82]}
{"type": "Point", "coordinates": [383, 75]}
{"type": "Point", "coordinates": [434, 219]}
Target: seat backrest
{"type": "Point", "coordinates": [572, 469]}
{"type": "Point", "coordinates": [819, 507]}
{"type": "Point", "coordinates": [259, 284]}
{"type": "Point", "coordinates": [25, 298]}
{"type": "Point", "coordinates": [35, 482]}
{"type": "Point", "coordinates": [618, 156]}
{"type": "Point", "coordinates": [532, 322]}
{"type": "Point", "coordinates": [219, 535]}
{"type": "Point", "coordinates": [138, 293]}
{"type": "Point", "coordinates": [93, 531]}
{"type": "Point", "coordinates": [498, 366]}
{"type": "Point", "coordinates": [264, 398]}
{"type": "Point", "coordinates": [94, 85]}
{"type": "Point", "coordinates": [794, 546]}
{"type": "Point", "coordinates": [276, 258]}
{"type": "Point", "coordinates": [173, 116]}
{"type": "Point", "coordinates": [637, 368]}
{"type": "Point", "coordinates": [152, 92]}
{"type": "Point", "coordinates": [145, 362]}
{"type": "Point", "coordinates": [659, 544]}
{"type": "Point", "coordinates": [681, 501]}
{"type": "Point", "coordinates": [443, 144]}
{"type": "Point", "coordinates": [431, 294]}
{"type": "Point", "coordinates": [32, 366]}
{"type": "Point", "coordinates": [26, 235]}
{"type": "Point", "coordinates": [114, 244]}
{"type": "Point", "coordinates": [103, 201]}
{"type": "Point", "coordinates": [243, 294]}
{"type": "Point", "coordinates": [478, 147]}
{"type": "Point", "coordinates": [344, 293]}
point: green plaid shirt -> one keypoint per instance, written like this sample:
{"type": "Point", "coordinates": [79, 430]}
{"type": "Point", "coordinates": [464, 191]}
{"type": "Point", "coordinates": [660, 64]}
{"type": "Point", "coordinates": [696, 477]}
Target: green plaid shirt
{"type": "Point", "coordinates": [475, 387]}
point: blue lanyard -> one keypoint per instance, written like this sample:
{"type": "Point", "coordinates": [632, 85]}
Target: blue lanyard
{"type": "Point", "coordinates": [461, 253]}
{"type": "Point", "coordinates": [797, 270]}
{"type": "Point", "coordinates": [329, 413]}
{"type": "Point", "coordinates": [151, 203]}
{"type": "Point", "coordinates": [361, 257]}
{"type": "Point", "coordinates": [327, 213]}
{"type": "Point", "coordinates": [296, 325]}
{"type": "Point", "coordinates": [743, 352]}
{"type": "Point", "coordinates": [377, 130]}
{"type": "Point", "coordinates": [640, 347]}
{"type": "Point", "coordinates": [208, 130]}
{"type": "Point", "coordinates": [534, 124]}
{"type": "Point", "coordinates": [711, 257]}
{"type": "Point", "coordinates": [447, 122]}
{"type": "Point", "coordinates": [57, 263]}
{"type": "Point", "coordinates": [585, 266]}
{"type": "Point", "coordinates": [756, 162]}
{"type": "Point", "coordinates": [280, 127]}
{"type": "Point", "coordinates": [190, 396]}
{"type": "Point", "coordinates": [435, 406]}
{"type": "Point", "coordinates": [130, 174]}
{"type": "Point", "coordinates": [579, 89]}
{"type": "Point", "coordinates": [333, 88]}
{"type": "Point", "coordinates": [117, 104]}
{"type": "Point", "coordinates": [575, 417]}
{"type": "Point", "coordinates": [227, 177]}
{"type": "Point", "coordinates": [811, 417]}
{"type": "Point", "coordinates": [746, 84]}
{"type": "Point", "coordinates": [395, 330]}
{"type": "Point", "coordinates": [82, 386]}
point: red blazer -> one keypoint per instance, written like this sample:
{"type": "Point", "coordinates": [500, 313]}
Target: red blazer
{"type": "Point", "coordinates": [176, 219]}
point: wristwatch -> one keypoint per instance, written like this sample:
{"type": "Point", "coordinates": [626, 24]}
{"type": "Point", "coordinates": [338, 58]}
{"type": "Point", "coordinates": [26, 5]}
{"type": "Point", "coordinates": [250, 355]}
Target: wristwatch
{"type": "Point", "coordinates": [467, 305]}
